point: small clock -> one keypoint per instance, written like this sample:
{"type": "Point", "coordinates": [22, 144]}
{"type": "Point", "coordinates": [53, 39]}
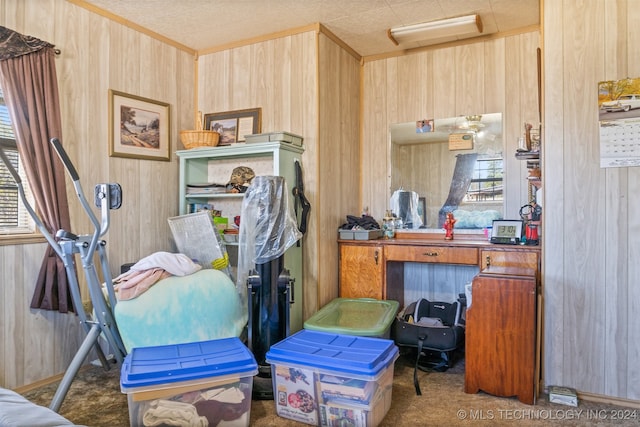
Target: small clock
{"type": "Point", "coordinates": [506, 231]}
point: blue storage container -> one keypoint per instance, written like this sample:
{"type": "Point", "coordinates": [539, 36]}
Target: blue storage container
{"type": "Point", "coordinates": [194, 380]}
{"type": "Point", "coordinates": [320, 377]}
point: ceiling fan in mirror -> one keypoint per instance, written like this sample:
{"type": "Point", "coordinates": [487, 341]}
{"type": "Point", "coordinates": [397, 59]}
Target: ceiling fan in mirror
{"type": "Point", "coordinates": [473, 123]}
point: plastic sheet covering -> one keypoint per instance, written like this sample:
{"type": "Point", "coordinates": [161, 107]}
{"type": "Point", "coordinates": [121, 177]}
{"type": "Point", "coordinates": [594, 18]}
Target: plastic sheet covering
{"type": "Point", "coordinates": [267, 226]}
{"type": "Point", "coordinates": [404, 204]}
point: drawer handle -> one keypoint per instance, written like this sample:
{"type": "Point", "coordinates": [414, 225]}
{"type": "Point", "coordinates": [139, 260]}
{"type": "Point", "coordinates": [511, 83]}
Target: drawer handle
{"type": "Point", "coordinates": [431, 253]}
{"type": "Point", "coordinates": [375, 256]}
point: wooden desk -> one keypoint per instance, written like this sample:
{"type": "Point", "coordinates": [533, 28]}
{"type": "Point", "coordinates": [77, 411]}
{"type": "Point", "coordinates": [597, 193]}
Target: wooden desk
{"type": "Point", "coordinates": [375, 268]}
{"type": "Point", "coordinates": [506, 307]}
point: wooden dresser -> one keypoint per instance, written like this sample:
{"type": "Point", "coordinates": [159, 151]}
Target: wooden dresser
{"type": "Point", "coordinates": [502, 333]}
{"type": "Point", "coordinates": [500, 338]}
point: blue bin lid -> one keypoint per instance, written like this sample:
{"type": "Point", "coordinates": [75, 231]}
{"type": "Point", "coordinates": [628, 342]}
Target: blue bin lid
{"type": "Point", "coordinates": [148, 366]}
{"type": "Point", "coordinates": [350, 355]}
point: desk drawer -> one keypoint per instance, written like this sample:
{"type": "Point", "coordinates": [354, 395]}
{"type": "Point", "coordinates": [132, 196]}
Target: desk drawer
{"type": "Point", "coordinates": [437, 254]}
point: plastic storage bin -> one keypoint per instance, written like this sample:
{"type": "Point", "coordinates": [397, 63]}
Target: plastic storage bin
{"type": "Point", "coordinates": [359, 234]}
{"type": "Point", "coordinates": [200, 383]}
{"type": "Point", "coordinates": [327, 379]}
{"type": "Point", "coordinates": [365, 317]}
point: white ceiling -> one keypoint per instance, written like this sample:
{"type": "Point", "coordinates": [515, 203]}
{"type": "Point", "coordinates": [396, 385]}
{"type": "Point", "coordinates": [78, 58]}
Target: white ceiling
{"type": "Point", "coordinates": [361, 24]}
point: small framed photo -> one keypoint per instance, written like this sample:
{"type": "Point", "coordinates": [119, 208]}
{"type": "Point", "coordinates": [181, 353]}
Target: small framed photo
{"type": "Point", "coordinates": [234, 125]}
{"type": "Point", "coordinates": [424, 126]}
{"type": "Point", "coordinates": [139, 128]}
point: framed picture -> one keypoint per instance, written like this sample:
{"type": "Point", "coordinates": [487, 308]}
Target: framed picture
{"type": "Point", "coordinates": [425, 126]}
{"type": "Point", "coordinates": [139, 128]}
{"type": "Point", "coordinates": [234, 125]}
{"type": "Point", "coordinates": [422, 210]}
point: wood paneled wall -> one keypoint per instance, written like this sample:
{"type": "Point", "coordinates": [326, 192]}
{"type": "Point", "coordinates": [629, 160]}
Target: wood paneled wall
{"type": "Point", "coordinates": [306, 84]}
{"type": "Point", "coordinates": [496, 76]}
{"type": "Point", "coordinates": [592, 243]}
{"type": "Point", "coordinates": [98, 54]}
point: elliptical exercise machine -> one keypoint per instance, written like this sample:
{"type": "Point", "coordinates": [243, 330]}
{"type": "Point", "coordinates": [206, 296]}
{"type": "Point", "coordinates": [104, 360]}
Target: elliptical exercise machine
{"type": "Point", "coordinates": [67, 245]}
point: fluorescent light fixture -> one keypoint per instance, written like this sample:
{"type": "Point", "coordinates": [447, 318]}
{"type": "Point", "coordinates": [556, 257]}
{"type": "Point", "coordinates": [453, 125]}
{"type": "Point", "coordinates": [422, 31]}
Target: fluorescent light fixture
{"type": "Point", "coordinates": [460, 26]}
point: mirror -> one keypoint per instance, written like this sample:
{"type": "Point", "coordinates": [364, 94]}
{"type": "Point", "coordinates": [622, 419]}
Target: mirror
{"type": "Point", "coordinates": [455, 166]}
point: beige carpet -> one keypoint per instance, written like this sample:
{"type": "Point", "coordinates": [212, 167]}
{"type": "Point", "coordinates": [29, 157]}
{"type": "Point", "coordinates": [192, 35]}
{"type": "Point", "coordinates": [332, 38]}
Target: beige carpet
{"type": "Point", "coordinates": [95, 400]}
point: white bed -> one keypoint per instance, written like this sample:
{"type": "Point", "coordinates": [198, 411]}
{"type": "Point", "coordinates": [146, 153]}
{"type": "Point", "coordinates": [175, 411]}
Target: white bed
{"type": "Point", "coordinates": [16, 411]}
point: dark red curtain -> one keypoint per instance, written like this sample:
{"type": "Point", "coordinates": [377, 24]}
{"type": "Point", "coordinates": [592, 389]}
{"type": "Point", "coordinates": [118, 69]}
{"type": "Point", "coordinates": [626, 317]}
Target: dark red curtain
{"type": "Point", "coordinates": [29, 82]}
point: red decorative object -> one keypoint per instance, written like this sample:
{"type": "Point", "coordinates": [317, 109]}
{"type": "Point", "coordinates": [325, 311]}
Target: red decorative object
{"type": "Point", "coordinates": [448, 226]}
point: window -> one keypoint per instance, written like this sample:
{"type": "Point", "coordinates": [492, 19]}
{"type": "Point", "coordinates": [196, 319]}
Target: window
{"type": "Point", "coordinates": [14, 218]}
{"type": "Point", "coordinates": [486, 182]}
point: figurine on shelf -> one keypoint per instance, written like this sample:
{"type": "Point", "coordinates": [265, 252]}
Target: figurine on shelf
{"type": "Point", "coordinates": [448, 226]}
{"type": "Point", "coordinates": [527, 135]}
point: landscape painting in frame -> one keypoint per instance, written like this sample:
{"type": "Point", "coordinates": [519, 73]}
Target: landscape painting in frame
{"type": "Point", "coordinates": [234, 125]}
{"type": "Point", "coordinates": [139, 128]}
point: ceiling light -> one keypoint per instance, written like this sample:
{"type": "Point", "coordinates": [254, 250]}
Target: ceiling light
{"type": "Point", "coordinates": [460, 26]}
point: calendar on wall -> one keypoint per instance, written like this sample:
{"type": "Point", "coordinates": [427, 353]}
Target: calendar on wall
{"type": "Point", "coordinates": [620, 143]}
{"type": "Point", "coordinates": [619, 120]}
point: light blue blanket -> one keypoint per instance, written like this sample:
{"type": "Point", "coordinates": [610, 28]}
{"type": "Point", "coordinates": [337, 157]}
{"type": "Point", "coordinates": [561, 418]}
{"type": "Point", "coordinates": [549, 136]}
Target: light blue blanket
{"type": "Point", "coordinates": [198, 307]}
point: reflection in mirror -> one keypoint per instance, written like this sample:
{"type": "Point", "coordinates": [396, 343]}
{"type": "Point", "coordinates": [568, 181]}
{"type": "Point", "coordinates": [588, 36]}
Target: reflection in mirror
{"type": "Point", "coordinates": [456, 167]}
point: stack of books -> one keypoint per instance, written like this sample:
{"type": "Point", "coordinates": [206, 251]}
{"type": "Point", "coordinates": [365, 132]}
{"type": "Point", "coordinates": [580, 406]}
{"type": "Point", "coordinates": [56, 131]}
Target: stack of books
{"type": "Point", "coordinates": [206, 188]}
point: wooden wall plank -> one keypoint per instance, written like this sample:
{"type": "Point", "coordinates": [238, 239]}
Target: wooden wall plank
{"type": "Point", "coordinates": [583, 201]}
{"type": "Point", "coordinates": [629, 202]}
{"type": "Point", "coordinates": [468, 87]}
{"type": "Point", "coordinates": [554, 331]}
{"type": "Point", "coordinates": [374, 152]}
{"type": "Point", "coordinates": [495, 73]}
{"type": "Point", "coordinates": [305, 121]}
{"type": "Point", "coordinates": [339, 156]}
{"type": "Point", "coordinates": [616, 243]}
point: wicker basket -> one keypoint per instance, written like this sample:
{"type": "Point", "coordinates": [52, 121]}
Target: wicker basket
{"type": "Point", "coordinates": [199, 138]}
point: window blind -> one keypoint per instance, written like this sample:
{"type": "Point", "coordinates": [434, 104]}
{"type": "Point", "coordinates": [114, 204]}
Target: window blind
{"type": "Point", "coordinates": [14, 218]}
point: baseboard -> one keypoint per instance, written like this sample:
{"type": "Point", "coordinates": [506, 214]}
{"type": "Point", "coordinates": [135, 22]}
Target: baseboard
{"type": "Point", "coordinates": [43, 382]}
{"type": "Point", "coordinates": [609, 400]}
{"type": "Point", "coordinates": [591, 397]}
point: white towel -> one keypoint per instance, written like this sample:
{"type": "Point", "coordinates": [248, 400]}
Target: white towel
{"type": "Point", "coordinates": [176, 264]}
{"type": "Point", "coordinates": [172, 413]}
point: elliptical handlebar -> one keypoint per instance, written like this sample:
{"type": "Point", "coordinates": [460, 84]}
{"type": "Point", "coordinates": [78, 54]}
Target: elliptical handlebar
{"type": "Point", "coordinates": [97, 232]}
{"type": "Point", "coordinates": [108, 196]}
{"type": "Point", "coordinates": [12, 171]}
{"type": "Point", "coordinates": [65, 159]}
{"type": "Point", "coordinates": [97, 229]}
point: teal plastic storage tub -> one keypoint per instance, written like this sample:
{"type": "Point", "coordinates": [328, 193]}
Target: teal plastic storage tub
{"type": "Point", "coordinates": [328, 379]}
{"type": "Point", "coordinates": [365, 317]}
{"type": "Point", "coordinates": [185, 384]}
